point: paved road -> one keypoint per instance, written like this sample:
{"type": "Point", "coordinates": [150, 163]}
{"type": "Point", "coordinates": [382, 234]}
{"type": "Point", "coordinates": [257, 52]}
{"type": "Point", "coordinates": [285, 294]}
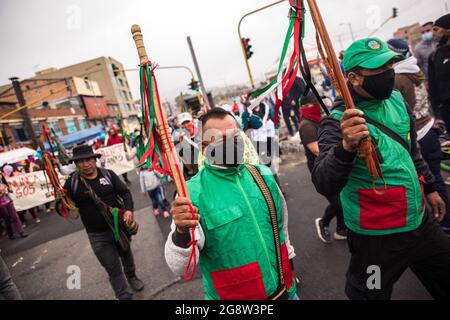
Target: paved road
{"type": "Point", "coordinates": [43, 265]}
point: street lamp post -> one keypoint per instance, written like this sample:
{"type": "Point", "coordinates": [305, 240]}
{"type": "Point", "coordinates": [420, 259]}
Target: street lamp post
{"type": "Point", "coordinates": [252, 83]}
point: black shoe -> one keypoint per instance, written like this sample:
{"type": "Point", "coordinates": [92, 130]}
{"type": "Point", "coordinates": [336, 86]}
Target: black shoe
{"type": "Point", "coordinates": [322, 231]}
{"type": "Point", "coordinates": [340, 234]}
{"type": "Point", "coordinates": [136, 284]}
{"type": "Point", "coordinates": [11, 236]}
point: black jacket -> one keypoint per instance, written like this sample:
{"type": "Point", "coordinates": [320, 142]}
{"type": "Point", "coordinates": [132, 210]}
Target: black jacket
{"type": "Point", "coordinates": [295, 93]}
{"type": "Point", "coordinates": [109, 188]}
{"type": "Point", "coordinates": [334, 165]}
{"type": "Point", "coordinates": [439, 76]}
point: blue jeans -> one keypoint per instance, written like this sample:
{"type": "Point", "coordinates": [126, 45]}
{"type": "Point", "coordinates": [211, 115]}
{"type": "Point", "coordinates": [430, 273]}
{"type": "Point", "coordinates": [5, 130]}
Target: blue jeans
{"type": "Point", "coordinates": [112, 258]}
{"type": "Point", "coordinates": [157, 198]}
{"type": "Point", "coordinates": [432, 154]}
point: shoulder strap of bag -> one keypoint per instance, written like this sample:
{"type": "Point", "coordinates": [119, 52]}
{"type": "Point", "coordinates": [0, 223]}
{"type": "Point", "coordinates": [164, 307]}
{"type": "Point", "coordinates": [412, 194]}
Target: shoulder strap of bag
{"type": "Point", "coordinates": [388, 132]}
{"type": "Point", "coordinates": [123, 240]}
{"type": "Point", "coordinates": [273, 215]}
{"type": "Point", "coordinates": [74, 180]}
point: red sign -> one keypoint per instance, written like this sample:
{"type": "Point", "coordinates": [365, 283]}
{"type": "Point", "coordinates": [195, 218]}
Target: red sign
{"type": "Point", "coordinates": [96, 106]}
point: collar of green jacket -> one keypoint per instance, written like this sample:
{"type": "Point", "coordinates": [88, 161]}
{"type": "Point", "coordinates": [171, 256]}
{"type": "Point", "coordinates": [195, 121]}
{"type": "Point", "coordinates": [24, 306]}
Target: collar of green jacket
{"type": "Point", "coordinates": [224, 172]}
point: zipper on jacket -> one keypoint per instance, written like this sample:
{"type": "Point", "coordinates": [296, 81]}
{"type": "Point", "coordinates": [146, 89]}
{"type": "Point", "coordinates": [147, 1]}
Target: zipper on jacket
{"type": "Point", "coordinates": [257, 228]}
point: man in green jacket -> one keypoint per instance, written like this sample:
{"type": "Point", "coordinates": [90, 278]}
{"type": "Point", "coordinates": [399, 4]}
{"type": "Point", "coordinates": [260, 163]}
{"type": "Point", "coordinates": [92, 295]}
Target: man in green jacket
{"type": "Point", "coordinates": [234, 234]}
{"type": "Point", "coordinates": [390, 228]}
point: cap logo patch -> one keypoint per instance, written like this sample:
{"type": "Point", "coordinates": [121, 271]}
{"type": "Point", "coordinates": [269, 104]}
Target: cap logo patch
{"type": "Point", "coordinates": [374, 45]}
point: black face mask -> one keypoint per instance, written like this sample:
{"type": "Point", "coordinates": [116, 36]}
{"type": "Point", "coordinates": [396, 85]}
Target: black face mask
{"type": "Point", "coordinates": [444, 40]}
{"type": "Point", "coordinates": [228, 152]}
{"type": "Point", "coordinates": [380, 86]}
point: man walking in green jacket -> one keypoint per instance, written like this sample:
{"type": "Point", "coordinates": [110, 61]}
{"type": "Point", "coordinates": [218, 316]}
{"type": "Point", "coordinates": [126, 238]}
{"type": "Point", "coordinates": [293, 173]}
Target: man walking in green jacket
{"type": "Point", "coordinates": [235, 238]}
{"type": "Point", "coordinates": [390, 228]}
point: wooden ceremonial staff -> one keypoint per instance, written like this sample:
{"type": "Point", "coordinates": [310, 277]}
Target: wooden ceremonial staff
{"type": "Point", "coordinates": [161, 120]}
{"type": "Point", "coordinates": [366, 148]}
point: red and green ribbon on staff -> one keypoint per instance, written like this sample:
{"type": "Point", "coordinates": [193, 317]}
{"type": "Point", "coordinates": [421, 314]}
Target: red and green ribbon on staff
{"type": "Point", "coordinates": [65, 207]}
{"type": "Point", "coordinates": [284, 81]}
{"type": "Point", "coordinates": [150, 153]}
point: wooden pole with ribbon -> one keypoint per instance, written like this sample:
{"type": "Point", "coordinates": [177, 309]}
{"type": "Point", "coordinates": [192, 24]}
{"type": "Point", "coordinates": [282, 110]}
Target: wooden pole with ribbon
{"type": "Point", "coordinates": [366, 149]}
{"type": "Point", "coordinates": [160, 147]}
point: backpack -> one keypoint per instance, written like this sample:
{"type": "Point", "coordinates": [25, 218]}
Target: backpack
{"type": "Point", "coordinates": [75, 179]}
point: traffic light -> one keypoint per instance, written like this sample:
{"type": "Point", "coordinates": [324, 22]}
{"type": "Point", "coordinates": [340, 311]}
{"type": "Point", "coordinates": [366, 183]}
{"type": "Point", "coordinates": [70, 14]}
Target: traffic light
{"type": "Point", "coordinates": [394, 13]}
{"type": "Point", "coordinates": [247, 48]}
{"type": "Point", "coordinates": [194, 85]}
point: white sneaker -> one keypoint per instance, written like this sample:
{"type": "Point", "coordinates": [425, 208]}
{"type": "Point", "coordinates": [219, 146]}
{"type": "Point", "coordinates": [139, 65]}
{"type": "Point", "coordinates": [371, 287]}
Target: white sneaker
{"type": "Point", "coordinates": [37, 220]}
{"type": "Point", "coordinates": [447, 182]}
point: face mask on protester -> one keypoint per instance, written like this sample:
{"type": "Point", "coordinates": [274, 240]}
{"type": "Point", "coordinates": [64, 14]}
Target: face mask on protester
{"type": "Point", "coordinates": [427, 36]}
{"type": "Point", "coordinates": [228, 152]}
{"type": "Point", "coordinates": [444, 40]}
{"type": "Point", "coordinates": [380, 86]}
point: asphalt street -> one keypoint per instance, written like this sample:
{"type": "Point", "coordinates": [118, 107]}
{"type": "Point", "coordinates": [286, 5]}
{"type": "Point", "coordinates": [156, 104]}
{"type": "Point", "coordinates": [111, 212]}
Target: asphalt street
{"type": "Point", "coordinates": [39, 263]}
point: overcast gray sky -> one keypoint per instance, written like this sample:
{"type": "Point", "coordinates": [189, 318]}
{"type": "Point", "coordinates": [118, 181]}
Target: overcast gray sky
{"type": "Point", "coordinates": [37, 34]}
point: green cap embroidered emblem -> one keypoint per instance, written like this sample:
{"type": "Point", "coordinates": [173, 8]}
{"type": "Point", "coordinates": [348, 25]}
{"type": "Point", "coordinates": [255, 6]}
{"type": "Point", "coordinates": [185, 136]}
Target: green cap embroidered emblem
{"type": "Point", "coordinates": [374, 45]}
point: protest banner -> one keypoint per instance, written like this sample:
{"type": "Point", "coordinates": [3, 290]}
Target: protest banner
{"type": "Point", "coordinates": [116, 160]}
{"type": "Point", "coordinates": [30, 190]}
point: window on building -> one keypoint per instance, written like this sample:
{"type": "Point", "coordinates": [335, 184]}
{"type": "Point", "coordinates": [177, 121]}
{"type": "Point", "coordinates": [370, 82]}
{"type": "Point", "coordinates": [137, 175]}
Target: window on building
{"type": "Point", "coordinates": [121, 82]}
{"type": "Point", "coordinates": [54, 124]}
{"type": "Point", "coordinates": [129, 107]}
{"type": "Point", "coordinates": [70, 125]}
{"type": "Point", "coordinates": [37, 128]}
{"type": "Point", "coordinates": [87, 84]}
{"type": "Point", "coordinates": [82, 123]}
{"type": "Point", "coordinates": [124, 95]}
{"type": "Point", "coordinates": [19, 133]}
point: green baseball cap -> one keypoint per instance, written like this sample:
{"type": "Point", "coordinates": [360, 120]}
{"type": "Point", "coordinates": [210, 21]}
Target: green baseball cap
{"type": "Point", "coordinates": [370, 53]}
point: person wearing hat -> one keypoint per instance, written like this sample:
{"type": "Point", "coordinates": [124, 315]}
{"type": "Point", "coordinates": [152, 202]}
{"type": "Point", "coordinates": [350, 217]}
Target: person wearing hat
{"type": "Point", "coordinates": [389, 225]}
{"type": "Point", "coordinates": [410, 82]}
{"type": "Point", "coordinates": [118, 263]}
{"type": "Point", "coordinates": [439, 70]}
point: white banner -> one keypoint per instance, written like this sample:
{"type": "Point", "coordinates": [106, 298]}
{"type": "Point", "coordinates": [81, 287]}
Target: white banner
{"type": "Point", "coordinates": [116, 159]}
{"type": "Point", "coordinates": [31, 190]}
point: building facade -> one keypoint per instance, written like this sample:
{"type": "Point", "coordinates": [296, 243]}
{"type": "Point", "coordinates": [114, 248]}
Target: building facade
{"type": "Point", "coordinates": [112, 83]}
{"type": "Point", "coordinates": [65, 105]}
{"type": "Point", "coordinates": [411, 34]}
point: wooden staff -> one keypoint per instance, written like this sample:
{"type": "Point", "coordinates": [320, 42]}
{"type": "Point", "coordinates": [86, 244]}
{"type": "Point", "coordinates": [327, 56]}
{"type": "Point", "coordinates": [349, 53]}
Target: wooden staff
{"type": "Point", "coordinates": [366, 148]}
{"type": "Point", "coordinates": [161, 121]}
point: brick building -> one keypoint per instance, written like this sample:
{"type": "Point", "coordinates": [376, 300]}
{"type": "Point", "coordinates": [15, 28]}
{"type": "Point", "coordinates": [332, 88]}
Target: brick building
{"type": "Point", "coordinates": [66, 105]}
{"type": "Point", "coordinates": [412, 34]}
{"type": "Point", "coordinates": [113, 85]}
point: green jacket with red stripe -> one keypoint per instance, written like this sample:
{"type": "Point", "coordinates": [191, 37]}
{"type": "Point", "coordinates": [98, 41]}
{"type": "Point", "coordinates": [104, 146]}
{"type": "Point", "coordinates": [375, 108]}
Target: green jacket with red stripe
{"type": "Point", "coordinates": [366, 211]}
{"type": "Point", "coordinates": [238, 260]}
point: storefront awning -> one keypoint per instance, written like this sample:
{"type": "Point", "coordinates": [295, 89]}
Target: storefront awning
{"type": "Point", "coordinates": [80, 136]}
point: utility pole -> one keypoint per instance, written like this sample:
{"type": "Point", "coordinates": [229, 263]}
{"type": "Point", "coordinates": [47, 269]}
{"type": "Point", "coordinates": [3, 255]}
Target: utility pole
{"type": "Point", "coordinates": [25, 114]}
{"type": "Point", "coordinates": [199, 75]}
